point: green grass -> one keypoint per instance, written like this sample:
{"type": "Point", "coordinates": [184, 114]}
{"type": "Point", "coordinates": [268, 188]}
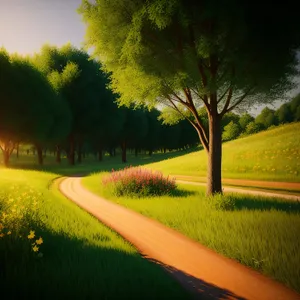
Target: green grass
{"type": "Point", "coordinates": [270, 155]}
{"type": "Point", "coordinates": [262, 233]}
{"type": "Point", "coordinates": [82, 259]}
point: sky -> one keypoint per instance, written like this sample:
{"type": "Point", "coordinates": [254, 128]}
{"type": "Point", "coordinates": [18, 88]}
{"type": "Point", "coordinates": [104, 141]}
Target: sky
{"type": "Point", "coordinates": [26, 25]}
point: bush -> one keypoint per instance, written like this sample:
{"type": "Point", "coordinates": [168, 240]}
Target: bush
{"type": "Point", "coordinates": [138, 182]}
{"type": "Point", "coordinates": [253, 127]}
{"type": "Point", "coordinates": [223, 202]}
{"type": "Point", "coordinates": [231, 131]}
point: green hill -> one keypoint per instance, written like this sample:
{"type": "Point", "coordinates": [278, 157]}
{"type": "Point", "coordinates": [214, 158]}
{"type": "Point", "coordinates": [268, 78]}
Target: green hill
{"type": "Point", "coordinates": [269, 155]}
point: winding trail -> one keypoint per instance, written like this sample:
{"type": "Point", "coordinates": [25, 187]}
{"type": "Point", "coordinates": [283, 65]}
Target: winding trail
{"type": "Point", "coordinates": [251, 191]}
{"type": "Point", "coordinates": [207, 274]}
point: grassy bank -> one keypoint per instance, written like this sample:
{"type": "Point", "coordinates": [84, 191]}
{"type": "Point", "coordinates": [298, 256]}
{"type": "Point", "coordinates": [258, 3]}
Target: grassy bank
{"type": "Point", "coordinates": [50, 248]}
{"type": "Point", "coordinates": [262, 233]}
{"type": "Point", "coordinates": [270, 155]}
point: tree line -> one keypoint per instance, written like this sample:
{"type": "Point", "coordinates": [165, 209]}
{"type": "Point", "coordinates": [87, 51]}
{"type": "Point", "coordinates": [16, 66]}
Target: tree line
{"type": "Point", "coordinates": [241, 125]}
{"type": "Point", "coordinates": [58, 99]}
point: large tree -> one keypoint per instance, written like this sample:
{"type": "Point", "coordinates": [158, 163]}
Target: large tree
{"type": "Point", "coordinates": [31, 111]}
{"type": "Point", "coordinates": [187, 54]}
{"type": "Point", "coordinates": [80, 83]}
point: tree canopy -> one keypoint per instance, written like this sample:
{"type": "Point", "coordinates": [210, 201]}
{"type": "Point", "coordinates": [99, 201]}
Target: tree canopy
{"type": "Point", "coordinates": [31, 110]}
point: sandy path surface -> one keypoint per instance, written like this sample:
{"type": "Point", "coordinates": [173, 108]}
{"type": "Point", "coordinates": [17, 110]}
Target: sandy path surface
{"type": "Point", "coordinates": [280, 185]}
{"type": "Point", "coordinates": [254, 192]}
{"type": "Point", "coordinates": [207, 274]}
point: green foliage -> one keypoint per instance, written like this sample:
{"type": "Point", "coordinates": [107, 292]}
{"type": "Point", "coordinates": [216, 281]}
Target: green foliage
{"type": "Point", "coordinates": [284, 114]}
{"type": "Point", "coordinates": [231, 131]}
{"type": "Point", "coordinates": [266, 118]}
{"type": "Point", "coordinates": [295, 108]}
{"type": "Point", "coordinates": [150, 53]}
{"type": "Point", "coordinates": [137, 182]}
{"type": "Point", "coordinates": [295, 103]}
{"type": "Point", "coordinates": [136, 125]}
{"type": "Point", "coordinates": [31, 110]}
{"type": "Point", "coordinates": [254, 127]}
{"type": "Point", "coordinates": [244, 120]}
{"type": "Point", "coordinates": [297, 114]}
{"type": "Point", "coordinates": [82, 86]}
{"type": "Point", "coordinates": [169, 116]}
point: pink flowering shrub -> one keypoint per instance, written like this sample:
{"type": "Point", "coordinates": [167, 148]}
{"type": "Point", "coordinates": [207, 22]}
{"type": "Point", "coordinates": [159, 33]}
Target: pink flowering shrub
{"type": "Point", "coordinates": [135, 181]}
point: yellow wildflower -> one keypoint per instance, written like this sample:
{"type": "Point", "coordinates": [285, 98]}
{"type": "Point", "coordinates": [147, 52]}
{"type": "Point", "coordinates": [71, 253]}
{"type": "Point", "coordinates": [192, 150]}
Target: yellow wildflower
{"type": "Point", "coordinates": [31, 234]}
{"type": "Point", "coordinates": [35, 248]}
{"type": "Point", "coordinates": [39, 241]}
{"type": "Point", "coordinates": [1, 234]}
{"type": "Point", "coordinates": [9, 232]}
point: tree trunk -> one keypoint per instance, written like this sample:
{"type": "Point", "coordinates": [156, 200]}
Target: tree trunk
{"type": "Point", "coordinates": [6, 157]}
{"type": "Point", "coordinates": [79, 153]}
{"type": "Point", "coordinates": [58, 154]}
{"type": "Point", "coordinates": [123, 146]}
{"type": "Point", "coordinates": [100, 152]}
{"type": "Point", "coordinates": [39, 151]}
{"type": "Point", "coordinates": [110, 151]}
{"type": "Point", "coordinates": [214, 165]}
{"type": "Point", "coordinates": [100, 156]}
{"type": "Point", "coordinates": [71, 155]}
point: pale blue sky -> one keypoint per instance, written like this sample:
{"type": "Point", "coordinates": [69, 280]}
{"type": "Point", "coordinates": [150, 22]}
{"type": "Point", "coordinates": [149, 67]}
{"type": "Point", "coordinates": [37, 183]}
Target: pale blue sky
{"type": "Point", "coordinates": [25, 25]}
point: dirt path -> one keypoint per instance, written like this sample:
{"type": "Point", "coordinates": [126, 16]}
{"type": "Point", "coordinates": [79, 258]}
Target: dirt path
{"type": "Point", "coordinates": [228, 189]}
{"type": "Point", "coordinates": [206, 273]}
{"type": "Point", "coordinates": [279, 185]}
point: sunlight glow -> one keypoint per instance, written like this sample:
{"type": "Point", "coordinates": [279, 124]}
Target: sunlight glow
{"type": "Point", "coordinates": [25, 25]}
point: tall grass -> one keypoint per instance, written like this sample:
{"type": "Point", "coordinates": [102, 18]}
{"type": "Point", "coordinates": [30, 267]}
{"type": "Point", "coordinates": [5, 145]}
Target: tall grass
{"type": "Point", "coordinates": [82, 259]}
{"type": "Point", "coordinates": [261, 233]}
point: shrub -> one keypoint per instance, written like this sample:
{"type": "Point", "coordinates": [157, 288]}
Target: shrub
{"type": "Point", "coordinates": [231, 131]}
{"type": "Point", "coordinates": [253, 127]}
{"type": "Point", "coordinates": [223, 202]}
{"type": "Point", "coordinates": [138, 182]}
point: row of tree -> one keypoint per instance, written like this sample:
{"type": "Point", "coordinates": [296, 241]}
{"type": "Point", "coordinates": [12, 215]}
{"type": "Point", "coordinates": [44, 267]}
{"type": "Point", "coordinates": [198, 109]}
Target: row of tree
{"type": "Point", "coordinates": [58, 99]}
{"type": "Point", "coordinates": [237, 126]}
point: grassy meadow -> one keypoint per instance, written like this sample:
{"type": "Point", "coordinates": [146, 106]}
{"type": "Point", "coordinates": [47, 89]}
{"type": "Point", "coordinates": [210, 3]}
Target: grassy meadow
{"type": "Point", "coordinates": [272, 155]}
{"type": "Point", "coordinates": [50, 248]}
{"type": "Point", "coordinates": [261, 233]}
{"type": "Point", "coordinates": [78, 251]}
